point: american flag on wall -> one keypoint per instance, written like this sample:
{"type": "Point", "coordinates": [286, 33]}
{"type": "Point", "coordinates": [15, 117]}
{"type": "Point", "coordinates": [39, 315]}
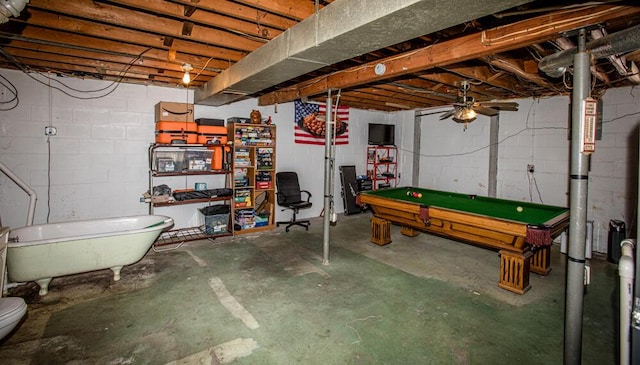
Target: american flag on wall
{"type": "Point", "coordinates": [304, 133]}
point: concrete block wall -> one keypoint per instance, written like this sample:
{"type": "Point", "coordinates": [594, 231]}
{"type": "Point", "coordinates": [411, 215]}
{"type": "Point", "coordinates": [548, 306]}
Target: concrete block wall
{"type": "Point", "coordinates": [99, 157]}
{"type": "Point", "coordinates": [456, 160]}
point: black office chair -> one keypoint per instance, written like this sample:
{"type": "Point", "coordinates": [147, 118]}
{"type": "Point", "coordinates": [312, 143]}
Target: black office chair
{"type": "Point", "coordinates": [289, 196]}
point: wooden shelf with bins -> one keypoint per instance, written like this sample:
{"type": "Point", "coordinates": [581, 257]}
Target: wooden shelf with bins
{"type": "Point", "coordinates": [382, 166]}
{"type": "Point", "coordinates": [253, 169]}
{"type": "Point", "coordinates": [175, 164]}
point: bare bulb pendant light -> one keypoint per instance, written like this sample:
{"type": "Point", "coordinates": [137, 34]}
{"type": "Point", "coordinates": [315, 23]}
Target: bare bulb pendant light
{"type": "Point", "coordinates": [186, 78]}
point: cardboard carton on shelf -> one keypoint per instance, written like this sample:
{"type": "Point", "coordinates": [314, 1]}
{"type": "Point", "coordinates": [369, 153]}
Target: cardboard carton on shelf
{"type": "Point", "coordinates": [174, 112]}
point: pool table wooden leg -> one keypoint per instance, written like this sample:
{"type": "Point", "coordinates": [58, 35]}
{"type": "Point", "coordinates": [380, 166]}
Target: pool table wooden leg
{"type": "Point", "coordinates": [514, 271]}
{"type": "Point", "coordinates": [380, 231]}
{"type": "Point", "coordinates": [409, 232]}
{"type": "Point", "coordinates": [541, 260]}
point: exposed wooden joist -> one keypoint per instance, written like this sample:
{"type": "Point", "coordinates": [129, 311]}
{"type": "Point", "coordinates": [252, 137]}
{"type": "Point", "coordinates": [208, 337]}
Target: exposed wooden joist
{"type": "Point", "coordinates": [89, 59]}
{"type": "Point", "coordinates": [202, 17]}
{"type": "Point", "coordinates": [229, 8]}
{"type": "Point", "coordinates": [512, 66]}
{"type": "Point", "coordinates": [296, 9]}
{"type": "Point", "coordinates": [68, 24]}
{"type": "Point", "coordinates": [114, 15]}
{"type": "Point", "coordinates": [105, 74]}
{"type": "Point", "coordinates": [481, 44]}
{"type": "Point", "coordinates": [102, 49]}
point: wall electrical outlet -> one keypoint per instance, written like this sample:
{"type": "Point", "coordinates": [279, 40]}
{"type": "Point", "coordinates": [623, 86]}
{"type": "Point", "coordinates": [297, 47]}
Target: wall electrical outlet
{"type": "Point", "coordinates": [530, 168]}
{"type": "Point", "coordinates": [50, 131]}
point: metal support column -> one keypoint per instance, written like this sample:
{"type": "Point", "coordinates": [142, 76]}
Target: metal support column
{"type": "Point", "coordinates": [494, 134]}
{"type": "Point", "coordinates": [417, 133]}
{"type": "Point", "coordinates": [328, 172]}
{"type": "Point", "coordinates": [635, 312]}
{"type": "Point", "coordinates": [574, 296]}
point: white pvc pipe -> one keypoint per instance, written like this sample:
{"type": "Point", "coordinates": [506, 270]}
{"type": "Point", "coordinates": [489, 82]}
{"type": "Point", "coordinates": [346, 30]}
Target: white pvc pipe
{"type": "Point", "coordinates": [32, 194]}
{"type": "Point", "coordinates": [626, 270]}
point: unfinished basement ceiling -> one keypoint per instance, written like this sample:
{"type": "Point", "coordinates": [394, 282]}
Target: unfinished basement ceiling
{"type": "Point", "coordinates": [496, 47]}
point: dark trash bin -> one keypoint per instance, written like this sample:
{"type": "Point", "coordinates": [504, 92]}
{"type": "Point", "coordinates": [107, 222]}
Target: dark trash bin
{"type": "Point", "coordinates": [617, 233]}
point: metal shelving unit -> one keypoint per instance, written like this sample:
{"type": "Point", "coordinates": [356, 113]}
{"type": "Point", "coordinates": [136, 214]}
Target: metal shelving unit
{"type": "Point", "coordinates": [185, 160]}
{"type": "Point", "coordinates": [382, 166]}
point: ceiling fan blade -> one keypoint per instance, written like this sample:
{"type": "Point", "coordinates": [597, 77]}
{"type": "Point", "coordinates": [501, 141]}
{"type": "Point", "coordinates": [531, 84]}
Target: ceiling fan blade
{"type": "Point", "coordinates": [480, 109]}
{"type": "Point", "coordinates": [502, 105]}
{"type": "Point", "coordinates": [448, 114]}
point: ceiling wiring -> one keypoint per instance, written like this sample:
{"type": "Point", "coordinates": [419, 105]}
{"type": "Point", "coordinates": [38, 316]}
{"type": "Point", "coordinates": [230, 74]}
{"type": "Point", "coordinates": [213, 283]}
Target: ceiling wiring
{"type": "Point", "coordinates": [11, 88]}
{"type": "Point", "coordinates": [114, 84]}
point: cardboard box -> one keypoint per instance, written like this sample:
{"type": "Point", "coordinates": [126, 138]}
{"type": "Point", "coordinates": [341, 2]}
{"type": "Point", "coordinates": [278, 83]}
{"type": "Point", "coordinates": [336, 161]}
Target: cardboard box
{"type": "Point", "coordinates": [174, 112]}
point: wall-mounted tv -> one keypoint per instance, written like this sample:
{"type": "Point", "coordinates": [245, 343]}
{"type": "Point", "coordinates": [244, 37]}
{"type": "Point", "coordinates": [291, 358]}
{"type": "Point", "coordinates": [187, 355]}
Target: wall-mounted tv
{"type": "Point", "coordinates": [381, 134]}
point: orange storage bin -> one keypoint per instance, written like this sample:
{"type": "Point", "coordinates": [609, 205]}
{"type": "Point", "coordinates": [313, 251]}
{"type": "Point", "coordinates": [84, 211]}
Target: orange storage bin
{"type": "Point", "coordinates": [216, 137]}
{"type": "Point", "coordinates": [212, 134]}
{"type": "Point", "coordinates": [176, 132]}
{"type": "Point", "coordinates": [220, 156]}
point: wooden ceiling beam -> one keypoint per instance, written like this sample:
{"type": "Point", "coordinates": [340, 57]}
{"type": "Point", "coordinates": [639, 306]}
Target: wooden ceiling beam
{"type": "Point", "coordinates": [517, 68]}
{"type": "Point", "coordinates": [382, 96]}
{"type": "Point", "coordinates": [361, 103]}
{"type": "Point", "coordinates": [484, 74]}
{"type": "Point", "coordinates": [202, 17]}
{"type": "Point", "coordinates": [403, 94]}
{"type": "Point", "coordinates": [414, 94]}
{"type": "Point", "coordinates": [59, 53]}
{"type": "Point", "coordinates": [295, 9]}
{"type": "Point", "coordinates": [106, 74]}
{"type": "Point", "coordinates": [480, 44]}
{"type": "Point", "coordinates": [95, 65]}
{"type": "Point", "coordinates": [74, 42]}
{"type": "Point", "coordinates": [260, 18]}
{"type": "Point", "coordinates": [126, 18]}
{"type": "Point", "coordinates": [99, 32]}
{"type": "Point", "coordinates": [437, 92]}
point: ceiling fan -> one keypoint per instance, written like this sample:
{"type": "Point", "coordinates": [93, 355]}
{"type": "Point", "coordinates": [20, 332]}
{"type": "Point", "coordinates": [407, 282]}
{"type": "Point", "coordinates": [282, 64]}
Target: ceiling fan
{"type": "Point", "coordinates": [466, 108]}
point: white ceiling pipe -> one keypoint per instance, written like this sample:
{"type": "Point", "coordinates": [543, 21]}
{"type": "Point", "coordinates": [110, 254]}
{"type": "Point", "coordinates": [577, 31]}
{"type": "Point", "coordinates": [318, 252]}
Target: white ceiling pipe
{"type": "Point", "coordinates": [10, 8]}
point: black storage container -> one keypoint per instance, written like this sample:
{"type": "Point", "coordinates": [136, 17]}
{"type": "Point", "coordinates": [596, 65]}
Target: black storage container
{"type": "Point", "coordinates": [216, 218]}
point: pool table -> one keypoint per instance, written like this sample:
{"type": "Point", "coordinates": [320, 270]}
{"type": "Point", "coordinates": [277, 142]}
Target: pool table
{"type": "Point", "coordinates": [521, 231]}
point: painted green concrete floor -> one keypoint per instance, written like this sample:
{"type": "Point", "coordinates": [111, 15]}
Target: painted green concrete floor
{"type": "Point", "coordinates": [268, 299]}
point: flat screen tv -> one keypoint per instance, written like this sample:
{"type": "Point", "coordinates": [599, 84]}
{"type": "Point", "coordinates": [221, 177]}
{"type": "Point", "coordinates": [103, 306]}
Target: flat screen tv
{"type": "Point", "coordinates": [381, 134]}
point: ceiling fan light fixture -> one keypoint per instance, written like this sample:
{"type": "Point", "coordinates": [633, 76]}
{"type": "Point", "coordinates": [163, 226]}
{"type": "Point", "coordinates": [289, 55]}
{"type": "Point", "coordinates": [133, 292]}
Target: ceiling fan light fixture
{"type": "Point", "coordinates": [464, 115]}
{"type": "Point", "coordinates": [186, 78]}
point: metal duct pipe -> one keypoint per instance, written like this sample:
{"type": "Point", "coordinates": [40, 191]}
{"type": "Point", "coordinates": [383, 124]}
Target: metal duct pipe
{"type": "Point", "coordinates": [620, 42]}
{"type": "Point", "coordinates": [32, 194]}
{"type": "Point", "coordinates": [626, 268]}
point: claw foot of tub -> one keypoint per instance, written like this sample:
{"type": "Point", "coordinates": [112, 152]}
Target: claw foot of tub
{"type": "Point", "coordinates": [116, 272]}
{"type": "Point", "coordinates": [44, 285]}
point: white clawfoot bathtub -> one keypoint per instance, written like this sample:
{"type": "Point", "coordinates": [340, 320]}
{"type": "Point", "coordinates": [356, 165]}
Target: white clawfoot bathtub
{"type": "Point", "coordinates": [41, 252]}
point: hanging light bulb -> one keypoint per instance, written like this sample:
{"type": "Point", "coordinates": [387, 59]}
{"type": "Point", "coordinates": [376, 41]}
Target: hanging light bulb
{"type": "Point", "coordinates": [186, 78]}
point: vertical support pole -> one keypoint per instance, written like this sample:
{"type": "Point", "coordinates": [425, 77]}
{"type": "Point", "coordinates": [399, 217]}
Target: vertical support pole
{"type": "Point", "coordinates": [635, 312]}
{"type": "Point", "coordinates": [494, 129]}
{"type": "Point", "coordinates": [417, 133]}
{"type": "Point", "coordinates": [328, 172]}
{"type": "Point", "coordinates": [574, 296]}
